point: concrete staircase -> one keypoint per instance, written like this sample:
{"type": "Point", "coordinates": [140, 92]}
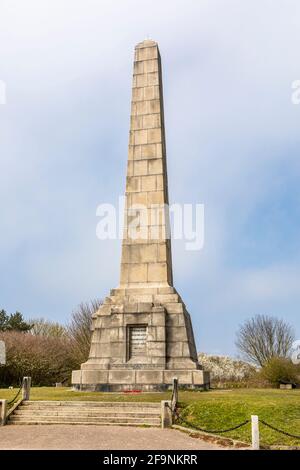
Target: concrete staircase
{"type": "Point", "coordinates": [87, 412]}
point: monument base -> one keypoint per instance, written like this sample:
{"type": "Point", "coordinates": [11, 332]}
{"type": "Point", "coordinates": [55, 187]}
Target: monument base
{"type": "Point", "coordinates": [142, 338]}
{"type": "Point", "coordinates": [120, 380]}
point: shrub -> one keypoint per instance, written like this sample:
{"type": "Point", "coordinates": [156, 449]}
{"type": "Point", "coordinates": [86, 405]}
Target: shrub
{"type": "Point", "coordinates": [48, 352]}
{"type": "Point", "coordinates": [45, 359]}
{"type": "Point", "coordinates": [279, 369]}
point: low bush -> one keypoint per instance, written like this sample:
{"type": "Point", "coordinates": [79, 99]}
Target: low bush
{"type": "Point", "coordinates": [280, 370]}
{"type": "Point", "coordinates": [45, 359]}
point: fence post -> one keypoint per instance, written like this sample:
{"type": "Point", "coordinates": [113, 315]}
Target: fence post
{"type": "Point", "coordinates": [26, 388]}
{"type": "Point", "coordinates": [255, 432]}
{"type": "Point", "coordinates": [174, 399]}
{"type": "Point", "coordinates": [3, 408]}
{"type": "Point", "coordinates": [166, 414]}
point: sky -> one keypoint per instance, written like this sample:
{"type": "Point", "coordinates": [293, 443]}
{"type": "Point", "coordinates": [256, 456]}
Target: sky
{"type": "Point", "coordinates": [232, 144]}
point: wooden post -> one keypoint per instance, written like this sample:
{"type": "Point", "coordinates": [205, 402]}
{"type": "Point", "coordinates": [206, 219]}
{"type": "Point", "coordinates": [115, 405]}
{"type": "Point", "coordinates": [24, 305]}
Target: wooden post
{"type": "Point", "coordinates": [166, 414]}
{"type": "Point", "coordinates": [3, 408]}
{"type": "Point", "coordinates": [255, 432]}
{"type": "Point", "coordinates": [26, 388]}
{"type": "Point", "coordinates": [174, 399]}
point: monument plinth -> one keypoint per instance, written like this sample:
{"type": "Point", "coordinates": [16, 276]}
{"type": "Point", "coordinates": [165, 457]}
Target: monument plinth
{"type": "Point", "coordinates": [142, 335]}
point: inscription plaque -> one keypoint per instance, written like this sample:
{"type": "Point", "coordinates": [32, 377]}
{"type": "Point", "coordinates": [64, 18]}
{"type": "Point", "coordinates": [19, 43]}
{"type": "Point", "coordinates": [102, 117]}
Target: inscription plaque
{"type": "Point", "coordinates": [137, 341]}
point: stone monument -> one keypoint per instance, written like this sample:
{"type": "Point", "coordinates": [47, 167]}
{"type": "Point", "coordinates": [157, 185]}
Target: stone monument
{"type": "Point", "coordinates": [142, 335]}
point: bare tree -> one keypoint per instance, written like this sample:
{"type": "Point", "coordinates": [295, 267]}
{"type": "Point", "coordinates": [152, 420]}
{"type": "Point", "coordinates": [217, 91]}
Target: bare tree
{"type": "Point", "coordinates": [43, 327]}
{"type": "Point", "coordinates": [263, 337]}
{"type": "Point", "coordinates": [79, 328]}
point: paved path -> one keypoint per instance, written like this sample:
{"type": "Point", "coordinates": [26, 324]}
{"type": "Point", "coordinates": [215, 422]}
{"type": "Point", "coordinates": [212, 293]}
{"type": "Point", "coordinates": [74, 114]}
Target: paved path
{"type": "Point", "coordinates": [97, 437]}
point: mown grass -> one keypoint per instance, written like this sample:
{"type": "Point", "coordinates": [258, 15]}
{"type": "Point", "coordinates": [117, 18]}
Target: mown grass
{"type": "Point", "coordinates": [217, 409]}
{"type": "Point", "coordinates": [223, 409]}
{"type": "Point", "coordinates": [65, 393]}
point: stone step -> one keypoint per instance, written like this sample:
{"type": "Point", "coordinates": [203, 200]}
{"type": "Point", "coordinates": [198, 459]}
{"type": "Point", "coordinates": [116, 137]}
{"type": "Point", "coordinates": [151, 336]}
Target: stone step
{"type": "Point", "coordinates": [95, 408]}
{"type": "Point", "coordinates": [141, 299]}
{"type": "Point", "coordinates": [91, 420]}
{"type": "Point", "coordinates": [83, 412]}
{"type": "Point", "coordinates": [71, 410]}
{"type": "Point", "coordinates": [141, 291]}
{"type": "Point", "coordinates": [84, 404]}
{"type": "Point", "coordinates": [85, 423]}
{"type": "Point", "coordinates": [21, 412]}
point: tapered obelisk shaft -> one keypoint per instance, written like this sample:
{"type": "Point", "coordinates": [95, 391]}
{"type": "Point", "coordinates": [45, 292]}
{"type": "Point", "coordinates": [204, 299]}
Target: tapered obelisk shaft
{"type": "Point", "coordinates": [146, 250]}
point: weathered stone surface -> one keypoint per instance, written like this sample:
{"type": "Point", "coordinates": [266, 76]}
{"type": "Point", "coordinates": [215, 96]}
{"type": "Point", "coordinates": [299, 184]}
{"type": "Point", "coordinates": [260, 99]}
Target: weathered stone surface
{"type": "Point", "coordinates": [142, 335]}
{"type": "Point", "coordinates": [175, 307]}
{"type": "Point", "coordinates": [166, 290]}
{"type": "Point", "coordinates": [94, 376]}
{"type": "Point", "coordinates": [200, 377]}
{"type": "Point", "coordinates": [177, 333]}
{"type": "Point", "coordinates": [174, 349]}
{"type": "Point", "coordinates": [76, 374]}
{"type": "Point", "coordinates": [138, 272]}
{"type": "Point", "coordinates": [147, 178]}
{"type": "Point", "coordinates": [141, 291]}
{"type": "Point", "coordinates": [144, 307]}
{"type": "Point", "coordinates": [149, 377]}
{"type": "Point", "coordinates": [122, 376]}
{"type": "Point", "coordinates": [157, 272]}
{"type": "Point", "coordinates": [117, 319]}
{"type": "Point", "coordinates": [183, 376]}
{"type": "Point", "coordinates": [157, 319]}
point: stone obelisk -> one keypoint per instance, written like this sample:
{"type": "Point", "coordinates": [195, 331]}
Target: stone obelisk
{"type": "Point", "coordinates": [142, 335]}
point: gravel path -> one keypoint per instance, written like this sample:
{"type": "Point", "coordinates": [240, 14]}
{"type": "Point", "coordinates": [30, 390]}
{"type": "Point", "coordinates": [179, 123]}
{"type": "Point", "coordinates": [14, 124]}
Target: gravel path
{"type": "Point", "coordinates": [97, 437]}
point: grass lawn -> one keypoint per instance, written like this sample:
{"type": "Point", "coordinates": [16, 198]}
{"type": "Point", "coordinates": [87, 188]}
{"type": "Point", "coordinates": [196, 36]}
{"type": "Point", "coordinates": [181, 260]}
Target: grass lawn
{"type": "Point", "coordinates": [217, 409]}
{"type": "Point", "coordinates": [225, 408]}
{"type": "Point", "coordinates": [65, 393]}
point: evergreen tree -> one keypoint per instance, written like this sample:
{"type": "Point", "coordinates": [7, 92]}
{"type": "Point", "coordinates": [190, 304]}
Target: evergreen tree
{"type": "Point", "coordinates": [13, 322]}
